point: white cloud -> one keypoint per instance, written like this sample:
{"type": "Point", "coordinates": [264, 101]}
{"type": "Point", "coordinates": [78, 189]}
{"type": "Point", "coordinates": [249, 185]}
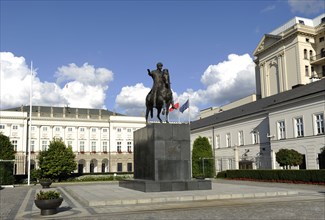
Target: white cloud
{"type": "Point", "coordinates": [224, 82]}
{"type": "Point", "coordinates": [131, 99]}
{"type": "Point", "coordinates": [85, 86]}
{"type": "Point", "coordinates": [268, 8]}
{"type": "Point", "coordinates": [307, 6]}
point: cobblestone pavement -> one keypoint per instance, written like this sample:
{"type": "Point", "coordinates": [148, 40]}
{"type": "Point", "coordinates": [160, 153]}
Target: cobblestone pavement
{"type": "Point", "coordinates": [10, 201]}
{"type": "Point", "coordinates": [307, 202]}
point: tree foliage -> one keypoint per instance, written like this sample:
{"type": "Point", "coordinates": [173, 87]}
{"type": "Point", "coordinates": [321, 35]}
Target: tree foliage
{"type": "Point", "coordinates": [202, 156]}
{"type": "Point", "coordinates": [289, 157]}
{"type": "Point", "coordinates": [58, 162]}
{"type": "Point", "coordinates": [7, 152]}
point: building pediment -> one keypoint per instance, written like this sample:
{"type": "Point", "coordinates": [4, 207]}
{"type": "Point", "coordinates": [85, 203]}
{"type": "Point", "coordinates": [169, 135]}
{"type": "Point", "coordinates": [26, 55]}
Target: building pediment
{"type": "Point", "coordinates": [267, 41]}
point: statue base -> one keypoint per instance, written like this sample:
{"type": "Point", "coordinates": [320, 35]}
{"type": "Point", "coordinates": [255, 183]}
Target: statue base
{"type": "Point", "coordinates": [162, 160]}
{"type": "Point", "coordinates": [167, 185]}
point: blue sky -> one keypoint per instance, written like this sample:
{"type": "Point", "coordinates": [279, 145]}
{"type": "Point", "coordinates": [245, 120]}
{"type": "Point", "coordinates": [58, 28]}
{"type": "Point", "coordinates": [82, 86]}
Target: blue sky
{"type": "Point", "coordinates": [95, 54]}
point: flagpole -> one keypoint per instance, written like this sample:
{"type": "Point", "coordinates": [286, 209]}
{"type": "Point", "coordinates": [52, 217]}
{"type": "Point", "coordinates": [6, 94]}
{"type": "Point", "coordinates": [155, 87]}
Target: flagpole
{"type": "Point", "coordinates": [30, 120]}
{"type": "Point", "coordinates": [189, 112]}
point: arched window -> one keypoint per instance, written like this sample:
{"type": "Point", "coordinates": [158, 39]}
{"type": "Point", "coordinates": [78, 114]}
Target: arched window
{"type": "Point", "coordinates": [305, 54]}
{"type": "Point", "coordinates": [322, 52]}
{"type": "Point", "coordinates": [311, 55]}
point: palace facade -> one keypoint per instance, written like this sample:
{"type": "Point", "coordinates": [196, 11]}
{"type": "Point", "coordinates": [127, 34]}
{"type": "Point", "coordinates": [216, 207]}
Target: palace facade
{"type": "Point", "coordinates": [101, 140]}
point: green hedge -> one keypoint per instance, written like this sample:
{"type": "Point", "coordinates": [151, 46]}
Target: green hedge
{"type": "Point", "coordinates": [309, 176]}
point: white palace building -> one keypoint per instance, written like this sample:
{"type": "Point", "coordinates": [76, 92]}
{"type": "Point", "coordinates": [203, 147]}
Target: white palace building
{"type": "Point", "coordinates": [287, 110]}
{"type": "Point", "coordinates": [101, 140]}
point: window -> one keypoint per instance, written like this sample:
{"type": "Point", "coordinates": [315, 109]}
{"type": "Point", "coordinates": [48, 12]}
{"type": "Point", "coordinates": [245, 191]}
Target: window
{"type": "Point", "coordinates": [105, 130]}
{"type": "Point", "coordinates": [301, 22]}
{"type": "Point", "coordinates": [281, 130]}
{"type": "Point", "coordinates": [307, 70]}
{"type": "Point", "coordinates": [129, 130]}
{"type": "Point", "coordinates": [69, 129]}
{"type": "Point", "coordinates": [229, 164]}
{"type": "Point", "coordinates": [299, 127]}
{"type": "Point", "coordinates": [57, 129]}
{"type": "Point", "coordinates": [82, 129]}
{"type": "Point", "coordinates": [32, 145]}
{"type": "Point", "coordinates": [307, 39]}
{"type": "Point", "coordinates": [104, 146]}
{"type": "Point", "coordinates": [44, 128]}
{"type": "Point", "coordinates": [119, 130]}
{"type": "Point", "coordinates": [93, 146]}
{"type": "Point", "coordinates": [82, 146]}
{"type": "Point", "coordinates": [2, 126]}
{"type": "Point", "coordinates": [219, 165]}
{"type": "Point", "coordinates": [241, 138]}
{"type": "Point", "coordinates": [305, 54]}
{"type": "Point", "coordinates": [129, 167]}
{"type": "Point", "coordinates": [311, 55]}
{"type": "Point", "coordinates": [129, 145]}
{"type": "Point", "coordinates": [119, 146]}
{"type": "Point", "coordinates": [228, 140]}
{"type": "Point", "coordinates": [319, 121]}
{"type": "Point", "coordinates": [44, 145]}
{"type": "Point", "coordinates": [14, 143]}
{"type": "Point", "coordinates": [69, 143]}
{"type": "Point", "coordinates": [15, 127]}
{"type": "Point", "coordinates": [119, 167]}
{"type": "Point", "coordinates": [321, 39]}
{"type": "Point", "coordinates": [33, 128]}
{"type": "Point", "coordinates": [255, 137]}
{"type": "Point", "coordinates": [218, 141]}
{"type": "Point", "coordinates": [93, 130]}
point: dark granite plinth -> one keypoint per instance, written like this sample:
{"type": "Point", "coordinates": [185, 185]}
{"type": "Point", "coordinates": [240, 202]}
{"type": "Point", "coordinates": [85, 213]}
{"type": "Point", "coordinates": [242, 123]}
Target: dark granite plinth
{"type": "Point", "coordinates": [162, 152]}
{"type": "Point", "coordinates": [162, 160]}
{"type": "Point", "coordinates": [163, 186]}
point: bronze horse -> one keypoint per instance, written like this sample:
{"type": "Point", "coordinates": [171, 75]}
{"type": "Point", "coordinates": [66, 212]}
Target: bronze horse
{"type": "Point", "coordinates": [161, 98]}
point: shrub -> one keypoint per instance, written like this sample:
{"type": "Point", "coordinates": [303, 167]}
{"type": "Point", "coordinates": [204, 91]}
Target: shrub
{"type": "Point", "coordinates": [6, 168]}
{"type": "Point", "coordinates": [45, 195]}
{"type": "Point", "coordinates": [202, 161]}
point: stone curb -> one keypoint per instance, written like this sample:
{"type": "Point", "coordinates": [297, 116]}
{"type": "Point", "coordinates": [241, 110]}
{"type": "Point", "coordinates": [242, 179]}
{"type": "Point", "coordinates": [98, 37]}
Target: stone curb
{"type": "Point", "coordinates": [158, 200]}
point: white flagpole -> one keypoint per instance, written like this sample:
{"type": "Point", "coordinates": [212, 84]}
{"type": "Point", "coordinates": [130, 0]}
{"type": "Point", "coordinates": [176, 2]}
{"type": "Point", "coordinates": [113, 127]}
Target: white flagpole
{"type": "Point", "coordinates": [30, 119]}
{"type": "Point", "coordinates": [189, 112]}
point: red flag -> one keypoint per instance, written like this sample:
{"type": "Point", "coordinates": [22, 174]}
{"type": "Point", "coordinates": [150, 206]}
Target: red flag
{"type": "Point", "coordinates": [176, 106]}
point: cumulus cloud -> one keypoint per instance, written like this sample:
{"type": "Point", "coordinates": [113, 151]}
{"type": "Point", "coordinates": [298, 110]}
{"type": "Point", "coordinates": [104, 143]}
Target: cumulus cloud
{"type": "Point", "coordinates": [307, 6]}
{"type": "Point", "coordinates": [131, 99]}
{"type": "Point", "coordinates": [83, 87]}
{"type": "Point", "coordinates": [224, 82]}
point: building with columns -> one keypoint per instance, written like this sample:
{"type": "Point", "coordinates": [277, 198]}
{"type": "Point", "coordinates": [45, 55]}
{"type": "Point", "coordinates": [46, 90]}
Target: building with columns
{"type": "Point", "coordinates": [291, 55]}
{"type": "Point", "coordinates": [101, 140]}
{"type": "Point", "coordinates": [289, 108]}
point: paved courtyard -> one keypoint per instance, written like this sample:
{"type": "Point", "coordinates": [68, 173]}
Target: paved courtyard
{"type": "Point", "coordinates": [87, 200]}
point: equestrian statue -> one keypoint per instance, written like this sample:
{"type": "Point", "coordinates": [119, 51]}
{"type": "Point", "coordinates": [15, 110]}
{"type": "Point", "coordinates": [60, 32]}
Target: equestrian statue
{"type": "Point", "coordinates": [160, 95]}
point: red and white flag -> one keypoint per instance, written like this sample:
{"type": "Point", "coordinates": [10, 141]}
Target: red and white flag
{"type": "Point", "coordinates": [176, 106]}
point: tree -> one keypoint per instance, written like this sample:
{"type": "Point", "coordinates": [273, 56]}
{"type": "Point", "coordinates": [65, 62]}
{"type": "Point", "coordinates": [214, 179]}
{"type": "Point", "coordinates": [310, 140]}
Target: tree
{"type": "Point", "coordinates": [202, 157]}
{"type": "Point", "coordinates": [7, 152]}
{"type": "Point", "coordinates": [287, 158]}
{"type": "Point", "coordinates": [58, 162]}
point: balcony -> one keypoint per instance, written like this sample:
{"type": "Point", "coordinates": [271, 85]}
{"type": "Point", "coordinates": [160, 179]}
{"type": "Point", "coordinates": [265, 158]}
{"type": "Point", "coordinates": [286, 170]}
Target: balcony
{"type": "Point", "coordinates": [319, 59]}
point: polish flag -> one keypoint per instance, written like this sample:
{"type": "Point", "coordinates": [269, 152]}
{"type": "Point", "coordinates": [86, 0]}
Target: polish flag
{"type": "Point", "coordinates": [176, 105]}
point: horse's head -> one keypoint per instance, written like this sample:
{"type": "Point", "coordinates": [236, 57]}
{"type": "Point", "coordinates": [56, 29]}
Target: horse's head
{"type": "Point", "coordinates": [165, 77]}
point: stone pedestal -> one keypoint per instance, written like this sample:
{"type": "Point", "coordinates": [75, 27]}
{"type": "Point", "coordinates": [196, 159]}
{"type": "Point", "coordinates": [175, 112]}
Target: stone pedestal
{"type": "Point", "coordinates": [162, 160]}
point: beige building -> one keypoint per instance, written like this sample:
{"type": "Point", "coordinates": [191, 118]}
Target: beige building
{"type": "Point", "coordinates": [291, 55]}
{"type": "Point", "coordinates": [289, 108]}
{"type": "Point", "coordinates": [101, 140]}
